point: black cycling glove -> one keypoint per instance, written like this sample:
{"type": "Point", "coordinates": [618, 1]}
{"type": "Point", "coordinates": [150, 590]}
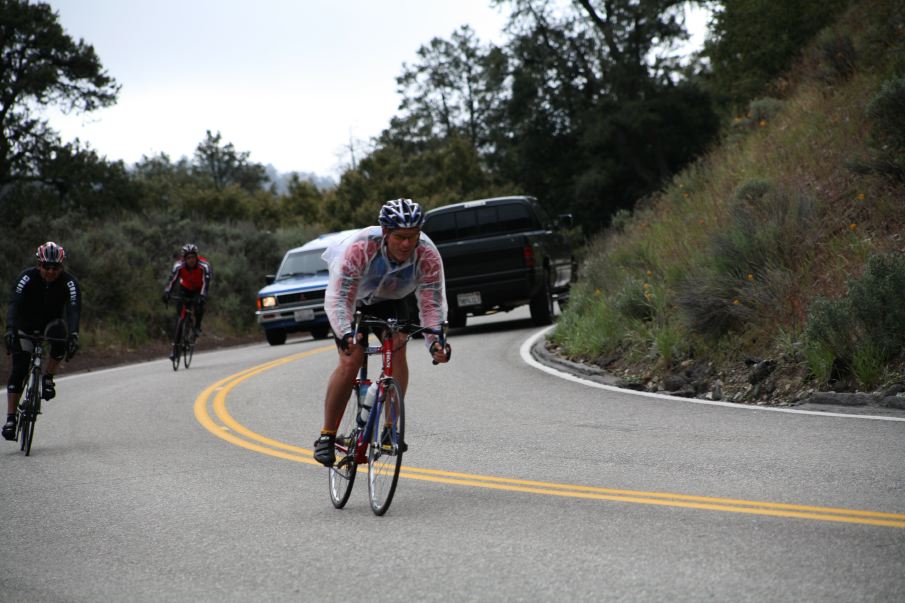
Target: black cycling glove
{"type": "Point", "coordinates": [346, 341]}
{"type": "Point", "coordinates": [72, 345]}
{"type": "Point", "coordinates": [12, 342]}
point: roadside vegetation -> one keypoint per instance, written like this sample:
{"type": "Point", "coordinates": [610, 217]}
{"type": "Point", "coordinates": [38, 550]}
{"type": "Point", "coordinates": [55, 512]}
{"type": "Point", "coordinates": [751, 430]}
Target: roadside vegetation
{"type": "Point", "coordinates": [774, 264]}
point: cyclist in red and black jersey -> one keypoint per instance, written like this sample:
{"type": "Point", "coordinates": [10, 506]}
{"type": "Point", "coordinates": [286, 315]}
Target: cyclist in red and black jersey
{"type": "Point", "coordinates": [41, 299]}
{"type": "Point", "coordinates": [192, 274]}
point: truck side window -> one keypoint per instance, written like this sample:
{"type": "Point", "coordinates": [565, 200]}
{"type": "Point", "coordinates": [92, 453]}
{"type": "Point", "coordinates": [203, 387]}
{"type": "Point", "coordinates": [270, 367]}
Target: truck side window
{"type": "Point", "coordinates": [514, 218]}
{"type": "Point", "coordinates": [467, 223]}
{"type": "Point", "coordinates": [441, 227]}
{"type": "Point", "coordinates": [487, 222]}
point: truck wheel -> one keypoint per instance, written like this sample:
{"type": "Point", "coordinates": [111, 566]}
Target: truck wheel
{"type": "Point", "coordinates": [457, 319]}
{"type": "Point", "coordinates": [320, 332]}
{"type": "Point", "coordinates": [542, 304]}
{"type": "Point", "coordinates": [275, 336]}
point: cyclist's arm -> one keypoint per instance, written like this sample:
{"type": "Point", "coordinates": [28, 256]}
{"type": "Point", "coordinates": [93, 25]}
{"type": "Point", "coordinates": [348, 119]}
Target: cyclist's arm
{"type": "Point", "coordinates": [16, 302]}
{"type": "Point", "coordinates": [74, 305]}
{"type": "Point", "coordinates": [430, 292]}
{"type": "Point", "coordinates": [208, 273]}
{"type": "Point", "coordinates": [342, 289]}
{"type": "Point", "coordinates": [174, 276]}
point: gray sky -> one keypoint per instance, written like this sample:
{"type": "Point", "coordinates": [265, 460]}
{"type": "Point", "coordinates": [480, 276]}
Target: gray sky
{"type": "Point", "coordinates": [290, 81]}
{"type": "Point", "coordinates": [286, 80]}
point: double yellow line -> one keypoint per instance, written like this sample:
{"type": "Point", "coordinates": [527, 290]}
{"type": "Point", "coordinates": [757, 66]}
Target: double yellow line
{"type": "Point", "coordinates": [224, 426]}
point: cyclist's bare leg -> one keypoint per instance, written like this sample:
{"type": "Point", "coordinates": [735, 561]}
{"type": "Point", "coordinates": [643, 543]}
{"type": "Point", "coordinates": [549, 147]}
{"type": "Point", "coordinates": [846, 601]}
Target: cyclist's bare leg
{"type": "Point", "coordinates": [50, 369]}
{"type": "Point", "coordinates": [400, 363]}
{"type": "Point", "coordinates": [12, 400]}
{"type": "Point", "coordinates": [340, 385]}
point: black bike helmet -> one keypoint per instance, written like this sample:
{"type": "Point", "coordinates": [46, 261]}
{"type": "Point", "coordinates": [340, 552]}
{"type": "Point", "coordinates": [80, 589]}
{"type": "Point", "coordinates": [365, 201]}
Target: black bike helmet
{"type": "Point", "coordinates": [189, 249]}
{"type": "Point", "coordinates": [50, 253]}
{"type": "Point", "coordinates": [401, 213]}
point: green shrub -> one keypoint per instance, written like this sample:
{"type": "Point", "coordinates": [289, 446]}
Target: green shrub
{"type": "Point", "coordinates": [819, 359]}
{"type": "Point", "coordinates": [752, 190]}
{"type": "Point", "coordinates": [668, 341]}
{"type": "Point", "coordinates": [829, 325]}
{"type": "Point", "coordinates": [866, 328]}
{"type": "Point", "coordinates": [764, 109]}
{"type": "Point", "coordinates": [878, 303]}
{"type": "Point", "coordinates": [887, 133]}
{"type": "Point", "coordinates": [887, 113]}
{"type": "Point", "coordinates": [868, 365]}
{"type": "Point", "coordinates": [747, 268]}
{"type": "Point", "coordinates": [620, 219]}
{"type": "Point", "coordinates": [837, 56]}
{"type": "Point", "coordinates": [630, 300]}
{"type": "Point", "coordinates": [590, 326]}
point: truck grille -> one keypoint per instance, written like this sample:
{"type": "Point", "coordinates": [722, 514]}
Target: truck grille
{"type": "Point", "coordinates": [292, 298]}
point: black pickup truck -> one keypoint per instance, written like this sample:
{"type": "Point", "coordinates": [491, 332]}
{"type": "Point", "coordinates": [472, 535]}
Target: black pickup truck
{"type": "Point", "coordinates": [499, 254]}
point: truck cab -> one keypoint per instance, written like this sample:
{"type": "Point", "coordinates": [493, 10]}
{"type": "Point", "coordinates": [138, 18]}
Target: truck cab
{"type": "Point", "coordinates": [499, 254]}
{"type": "Point", "coordinates": [293, 300]}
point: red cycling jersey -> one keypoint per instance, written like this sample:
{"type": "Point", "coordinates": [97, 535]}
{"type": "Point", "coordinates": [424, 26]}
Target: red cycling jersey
{"type": "Point", "coordinates": [197, 279]}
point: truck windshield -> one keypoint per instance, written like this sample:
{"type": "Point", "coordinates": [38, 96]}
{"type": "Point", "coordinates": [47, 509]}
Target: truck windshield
{"type": "Point", "coordinates": [302, 263]}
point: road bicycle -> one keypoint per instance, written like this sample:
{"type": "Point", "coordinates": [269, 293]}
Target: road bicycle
{"type": "Point", "coordinates": [379, 440]}
{"type": "Point", "coordinates": [30, 403]}
{"type": "Point", "coordinates": [184, 337]}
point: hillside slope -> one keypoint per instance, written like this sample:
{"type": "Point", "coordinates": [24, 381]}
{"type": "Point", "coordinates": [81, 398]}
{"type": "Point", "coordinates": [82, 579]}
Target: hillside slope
{"type": "Point", "coordinates": [735, 281]}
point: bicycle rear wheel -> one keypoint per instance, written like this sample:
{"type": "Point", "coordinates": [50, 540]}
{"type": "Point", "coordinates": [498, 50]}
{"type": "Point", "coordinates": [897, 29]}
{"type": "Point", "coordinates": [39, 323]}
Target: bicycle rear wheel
{"type": "Point", "coordinates": [175, 357]}
{"type": "Point", "coordinates": [342, 474]}
{"type": "Point", "coordinates": [386, 447]}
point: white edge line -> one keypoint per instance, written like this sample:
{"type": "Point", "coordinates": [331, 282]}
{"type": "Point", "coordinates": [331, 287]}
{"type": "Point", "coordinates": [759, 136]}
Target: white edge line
{"type": "Point", "coordinates": [525, 352]}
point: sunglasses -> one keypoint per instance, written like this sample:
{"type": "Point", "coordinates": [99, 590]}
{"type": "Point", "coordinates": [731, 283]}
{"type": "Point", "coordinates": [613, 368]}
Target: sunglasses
{"type": "Point", "coordinates": [49, 266]}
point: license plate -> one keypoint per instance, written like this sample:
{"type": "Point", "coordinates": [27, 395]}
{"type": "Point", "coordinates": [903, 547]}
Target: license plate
{"type": "Point", "coordinates": [469, 299]}
{"type": "Point", "coordinates": [304, 315]}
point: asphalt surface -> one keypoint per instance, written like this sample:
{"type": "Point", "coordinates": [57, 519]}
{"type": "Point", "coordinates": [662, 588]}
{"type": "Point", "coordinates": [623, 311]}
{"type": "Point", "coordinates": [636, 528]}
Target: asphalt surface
{"type": "Point", "coordinates": [147, 484]}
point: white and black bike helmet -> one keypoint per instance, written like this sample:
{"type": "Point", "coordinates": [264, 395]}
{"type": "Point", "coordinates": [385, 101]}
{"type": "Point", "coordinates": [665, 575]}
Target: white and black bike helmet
{"type": "Point", "coordinates": [401, 213]}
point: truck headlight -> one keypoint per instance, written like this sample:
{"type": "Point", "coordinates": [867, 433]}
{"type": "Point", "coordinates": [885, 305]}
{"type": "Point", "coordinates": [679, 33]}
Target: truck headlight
{"type": "Point", "coordinates": [268, 302]}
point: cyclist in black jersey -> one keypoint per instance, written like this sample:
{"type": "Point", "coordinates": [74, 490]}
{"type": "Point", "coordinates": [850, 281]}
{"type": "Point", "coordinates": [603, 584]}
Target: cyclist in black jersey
{"type": "Point", "coordinates": [45, 299]}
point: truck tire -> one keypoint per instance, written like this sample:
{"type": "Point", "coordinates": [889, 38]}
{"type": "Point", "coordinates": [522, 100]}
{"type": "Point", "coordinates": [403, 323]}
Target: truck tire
{"type": "Point", "coordinates": [542, 304]}
{"type": "Point", "coordinates": [320, 332]}
{"type": "Point", "coordinates": [275, 336]}
{"type": "Point", "coordinates": [457, 319]}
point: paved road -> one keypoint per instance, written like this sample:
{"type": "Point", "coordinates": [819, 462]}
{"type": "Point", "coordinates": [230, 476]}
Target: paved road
{"type": "Point", "coordinates": [150, 485]}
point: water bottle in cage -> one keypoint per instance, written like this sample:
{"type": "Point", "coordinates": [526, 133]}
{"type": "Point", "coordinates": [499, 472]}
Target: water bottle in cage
{"type": "Point", "coordinates": [369, 393]}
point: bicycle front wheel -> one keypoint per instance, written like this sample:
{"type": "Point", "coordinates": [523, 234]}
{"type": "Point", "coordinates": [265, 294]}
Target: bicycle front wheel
{"type": "Point", "coordinates": [342, 474]}
{"type": "Point", "coordinates": [176, 356]}
{"type": "Point", "coordinates": [28, 414]}
{"type": "Point", "coordinates": [386, 447]}
{"type": "Point", "coordinates": [188, 343]}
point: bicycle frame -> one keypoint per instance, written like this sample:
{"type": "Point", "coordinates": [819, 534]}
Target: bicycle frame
{"type": "Point", "coordinates": [385, 349]}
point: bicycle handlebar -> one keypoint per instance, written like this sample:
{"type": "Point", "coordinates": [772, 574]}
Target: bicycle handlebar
{"type": "Point", "coordinates": [40, 338]}
{"type": "Point", "coordinates": [395, 326]}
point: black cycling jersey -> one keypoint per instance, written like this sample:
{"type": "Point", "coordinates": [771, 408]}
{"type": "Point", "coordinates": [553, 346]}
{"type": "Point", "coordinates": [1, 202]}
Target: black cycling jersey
{"type": "Point", "coordinates": [35, 303]}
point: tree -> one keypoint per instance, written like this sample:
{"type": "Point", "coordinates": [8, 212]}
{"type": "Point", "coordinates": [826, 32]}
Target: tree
{"type": "Point", "coordinates": [453, 90]}
{"type": "Point", "coordinates": [223, 166]}
{"type": "Point", "coordinates": [753, 41]}
{"type": "Point", "coordinates": [41, 65]}
{"type": "Point", "coordinates": [303, 201]}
